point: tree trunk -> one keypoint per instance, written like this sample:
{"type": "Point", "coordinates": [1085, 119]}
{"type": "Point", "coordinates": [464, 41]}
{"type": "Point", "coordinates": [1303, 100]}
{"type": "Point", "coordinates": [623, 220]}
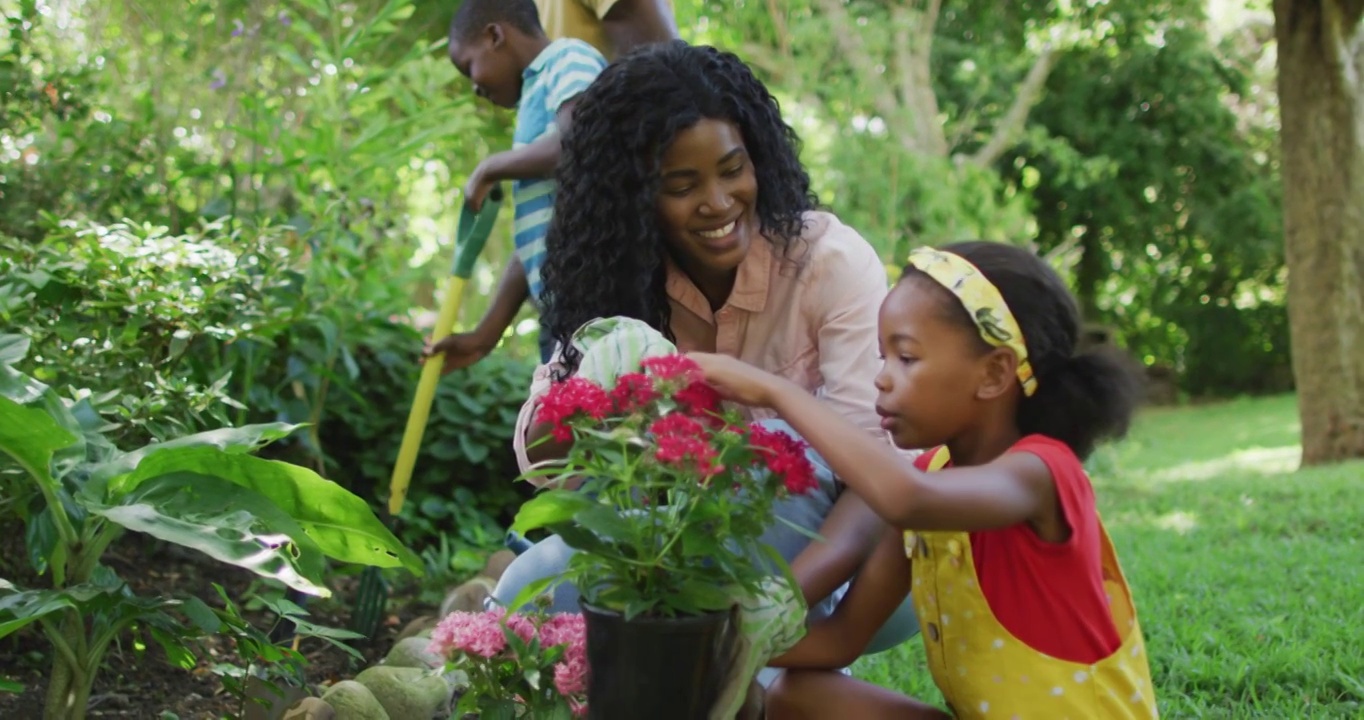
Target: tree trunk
{"type": "Point", "coordinates": [1321, 99]}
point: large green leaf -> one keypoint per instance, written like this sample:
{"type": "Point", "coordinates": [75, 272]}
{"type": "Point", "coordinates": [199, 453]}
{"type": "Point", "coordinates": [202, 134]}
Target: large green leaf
{"type": "Point", "coordinates": [243, 440]}
{"type": "Point", "coordinates": [550, 507]}
{"type": "Point", "coordinates": [31, 436]}
{"type": "Point", "coordinates": [340, 523]}
{"type": "Point", "coordinates": [226, 522]}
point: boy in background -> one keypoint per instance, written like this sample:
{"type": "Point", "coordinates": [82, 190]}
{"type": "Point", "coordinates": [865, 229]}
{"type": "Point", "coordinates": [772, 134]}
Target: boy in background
{"type": "Point", "coordinates": [502, 48]}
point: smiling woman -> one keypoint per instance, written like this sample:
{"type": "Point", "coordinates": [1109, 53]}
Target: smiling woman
{"type": "Point", "coordinates": [683, 204]}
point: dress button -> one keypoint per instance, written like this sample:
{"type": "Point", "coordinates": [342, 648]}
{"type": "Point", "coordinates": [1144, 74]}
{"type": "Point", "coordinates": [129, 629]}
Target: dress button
{"type": "Point", "coordinates": [933, 632]}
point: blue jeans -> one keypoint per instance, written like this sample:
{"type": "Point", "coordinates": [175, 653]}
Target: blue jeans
{"type": "Point", "coordinates": [550, 556]}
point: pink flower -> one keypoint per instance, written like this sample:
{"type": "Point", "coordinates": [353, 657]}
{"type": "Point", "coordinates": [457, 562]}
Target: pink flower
{"type": "Point", "coordinates": [470, 633]}
{"type": "Point", "coordinates": [673, 367]}
{"type": "Point", "coordinates": [785, 457]}
{"type": "Point", "coordinates": [521, 625]}
{"type": "Point", "coordinates": [563, 629]}
{"type": "Point", "coordinates": [633, 391]}
{"type": "Point", "coordinates": [571, 399]}
{"type": "Point", "coordinates": [570, 674]}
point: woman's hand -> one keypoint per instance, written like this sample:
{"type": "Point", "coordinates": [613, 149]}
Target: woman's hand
{"type": "Point", "coordinates": [738, 381]}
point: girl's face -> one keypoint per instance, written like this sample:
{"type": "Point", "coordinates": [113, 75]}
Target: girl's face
{"type": "Point", "coordinates": [932, 367]}
{"type": "Point", "coordinates": [706, 199]}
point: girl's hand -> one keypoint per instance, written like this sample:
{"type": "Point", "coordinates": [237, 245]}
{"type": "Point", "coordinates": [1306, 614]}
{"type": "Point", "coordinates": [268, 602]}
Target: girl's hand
{"type": "Point", "coordinates": [738, 381]}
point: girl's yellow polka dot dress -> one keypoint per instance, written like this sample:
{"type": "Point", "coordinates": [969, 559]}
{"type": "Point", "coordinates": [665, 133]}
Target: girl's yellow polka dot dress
{"type": "Point", "coordinates": [985, 672]}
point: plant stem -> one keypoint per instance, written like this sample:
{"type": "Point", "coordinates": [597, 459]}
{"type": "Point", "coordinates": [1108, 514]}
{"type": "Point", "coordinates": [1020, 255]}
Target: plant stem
{"type": "Point", "coordinates": [55, 635]}
{"type": "Point", "coordinates": [65, 530]}
{"type": "Point", "coordinates": [95, 546]}
{"type": "Point", "coordinates": [68, 690]}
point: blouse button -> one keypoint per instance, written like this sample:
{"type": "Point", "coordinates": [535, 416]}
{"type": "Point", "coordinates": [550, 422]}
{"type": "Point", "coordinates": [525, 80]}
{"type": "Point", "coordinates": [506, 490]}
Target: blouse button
{"type": "Point", "coordinates": [933, 632]}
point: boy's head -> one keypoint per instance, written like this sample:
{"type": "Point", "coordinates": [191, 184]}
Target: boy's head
{"type": "Point", "coordinates": [492, 42]}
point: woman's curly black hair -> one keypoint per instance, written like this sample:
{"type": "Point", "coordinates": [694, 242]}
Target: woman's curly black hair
{"type": "Point", "coordinates": [605, 249]}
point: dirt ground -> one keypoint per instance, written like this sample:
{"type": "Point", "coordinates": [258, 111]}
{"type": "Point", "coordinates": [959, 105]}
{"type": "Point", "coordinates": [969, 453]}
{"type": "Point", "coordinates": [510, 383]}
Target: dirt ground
{"type": "Point", "coordinates": [145, 685]}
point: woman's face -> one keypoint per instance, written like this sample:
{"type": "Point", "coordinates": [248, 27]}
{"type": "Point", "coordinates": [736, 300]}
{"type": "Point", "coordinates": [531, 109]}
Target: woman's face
{"type": "Point", "coordinates": [706, 202]}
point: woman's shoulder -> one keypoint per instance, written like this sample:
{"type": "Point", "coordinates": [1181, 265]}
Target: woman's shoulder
{"type": "Point", "coordinates": [829, 247]}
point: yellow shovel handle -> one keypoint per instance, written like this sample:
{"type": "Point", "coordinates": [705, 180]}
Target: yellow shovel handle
{"type": "Point", "coordinates": [426, 392]}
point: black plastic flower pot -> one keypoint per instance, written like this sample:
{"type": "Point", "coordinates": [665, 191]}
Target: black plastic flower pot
{"type": "Point", "coordinates": [656, 668]}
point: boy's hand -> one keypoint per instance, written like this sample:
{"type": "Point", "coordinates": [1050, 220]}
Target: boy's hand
{"type": "Point", "coordinates": [481, 182]}
{"type": "Point", "coordinates": [737, 380]}
{"type": "Point", "coordinates": [461, 350]}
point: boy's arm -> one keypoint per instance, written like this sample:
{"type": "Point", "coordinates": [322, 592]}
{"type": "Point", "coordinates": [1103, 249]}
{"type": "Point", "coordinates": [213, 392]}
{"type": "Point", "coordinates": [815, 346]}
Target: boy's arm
{"type": "Point", "coordinates": [876, 592]}
{"type": "Point", "coordinates": [535, 160]}
{"type": "Point", "coordinates": [464, 349]}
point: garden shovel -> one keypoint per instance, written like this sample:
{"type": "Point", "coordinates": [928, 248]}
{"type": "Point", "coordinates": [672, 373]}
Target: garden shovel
{"type": "Point", "coordinates": [470, 237]}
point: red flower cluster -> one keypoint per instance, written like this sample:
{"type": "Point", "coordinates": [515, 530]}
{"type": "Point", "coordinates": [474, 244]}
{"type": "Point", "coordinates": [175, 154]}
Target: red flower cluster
{"type": "Point", "coordinates": [567, 399]}
{"type": "Point", "coordinates": [680, 439]}
{"type": "Point", "coordinates": [673, 367]}
{"type": "Point", "coordinates": [702, 400]}
{"type": "Point", "coordinates": [633, 391]}
{"type": "Point", "coordinates": [785, 455]}
{"type": "Point", "coordinates": [693, 394]}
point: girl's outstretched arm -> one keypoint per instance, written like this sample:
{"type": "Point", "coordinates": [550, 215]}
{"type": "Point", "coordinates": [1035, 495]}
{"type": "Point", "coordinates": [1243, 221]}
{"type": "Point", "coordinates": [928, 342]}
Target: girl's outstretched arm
{"type": "Point", "coordinates": [1014, 488]}
{"type": "Point", "coordinates": [879, 588]}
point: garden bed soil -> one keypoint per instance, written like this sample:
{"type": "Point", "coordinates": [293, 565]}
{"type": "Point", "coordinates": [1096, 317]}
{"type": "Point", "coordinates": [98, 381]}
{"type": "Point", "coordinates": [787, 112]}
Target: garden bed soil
{"type": "Point", "coordinates": [145, 685]}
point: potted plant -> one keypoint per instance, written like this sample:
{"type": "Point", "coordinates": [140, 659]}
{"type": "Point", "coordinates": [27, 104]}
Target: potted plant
{"type": "Point", "coordinates": [675, 495]}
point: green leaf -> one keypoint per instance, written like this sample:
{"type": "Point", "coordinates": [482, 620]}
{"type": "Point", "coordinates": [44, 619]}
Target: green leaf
{"type": "Point", "coordinates": [475, 452]}
{"type": "Point", "coordinates": [531, 591]}
{"type": "Point", "coordinates": [498, 710]}
{"type": "Point", "coordinates": [337, 521]}
{"type": "Point", "coordinates": [31, 436]}
{"type": "Point", "coordinates": [607, 523]}
{"type": "Point", "coordinates": [10, 686]}
{"type": "Point", "coordinates": [201, 615]}
{"type": "Point", "coordinates": [13, 348]}
{"type": "Point", "coordinates": [19, 608]}
{"type": "Point", "coordinates": [40, 538]}
{"type": "Point", "coordinates": [19, 387]}
{"type": "Point", "coordinates": [176, 651]}
{"type": "Point", "coordinates": [224, 521]}
{"type": "Point", "coordinates": [549, 508]}
{"type": "Point", "coordinates": [245, 439]}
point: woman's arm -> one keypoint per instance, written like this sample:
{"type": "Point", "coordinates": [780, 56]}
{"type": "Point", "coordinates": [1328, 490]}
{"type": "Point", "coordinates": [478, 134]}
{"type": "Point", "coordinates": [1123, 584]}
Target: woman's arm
{"type": "Point", "coordinates": [876, 592]}
{"type": "Point", "coordinates": [849, 533]}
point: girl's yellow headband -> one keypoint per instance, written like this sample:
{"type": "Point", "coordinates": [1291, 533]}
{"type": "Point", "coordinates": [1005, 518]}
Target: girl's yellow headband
{"type": "Point", "coordinates": [982, 301]}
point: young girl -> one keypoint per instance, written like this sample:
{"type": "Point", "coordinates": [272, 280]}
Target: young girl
{"type": "Point", "coordinates": [1024, 609]}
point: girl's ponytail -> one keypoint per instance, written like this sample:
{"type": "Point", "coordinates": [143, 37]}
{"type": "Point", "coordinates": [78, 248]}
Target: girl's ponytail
{"type": "Point", "coordinates": [1083, 399]}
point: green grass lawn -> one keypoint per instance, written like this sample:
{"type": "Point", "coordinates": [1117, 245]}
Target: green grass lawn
{"type": "Point", "coordinates": [1248, 575]}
